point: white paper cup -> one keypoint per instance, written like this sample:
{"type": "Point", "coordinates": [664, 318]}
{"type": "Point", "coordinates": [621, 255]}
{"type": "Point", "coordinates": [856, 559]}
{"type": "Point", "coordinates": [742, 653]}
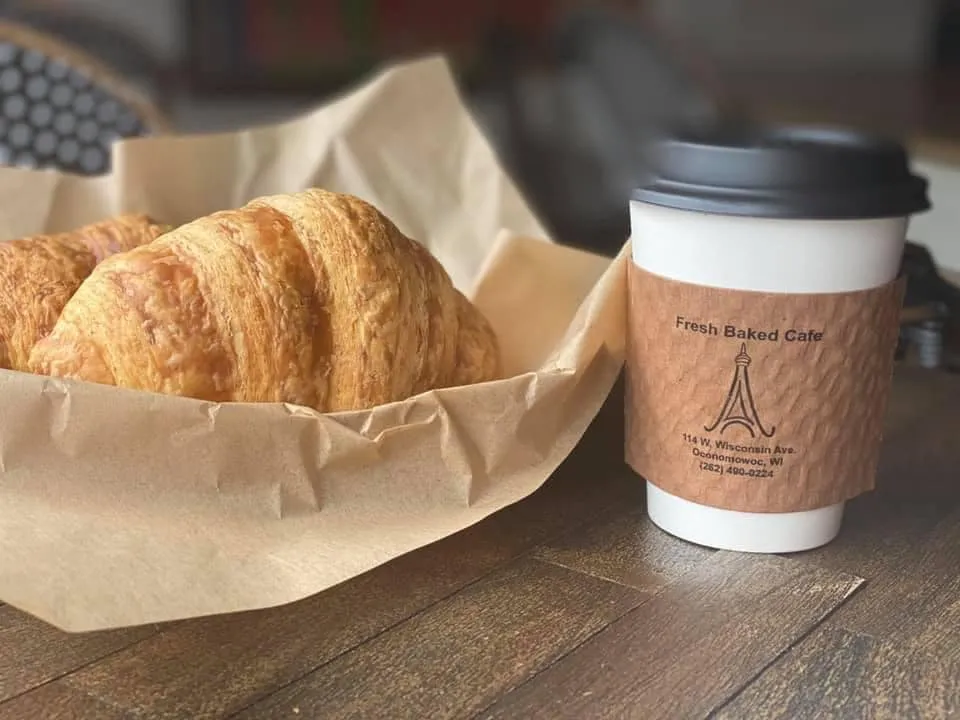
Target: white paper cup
{"type": "Point", "coordinates": [742, 245]}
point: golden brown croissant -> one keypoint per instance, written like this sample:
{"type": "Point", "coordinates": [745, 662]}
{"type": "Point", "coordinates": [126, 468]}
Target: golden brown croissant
{"type": "Point", "coordinates": [313, 298]}
{"type": "Point", "coordinates": [38, 275]}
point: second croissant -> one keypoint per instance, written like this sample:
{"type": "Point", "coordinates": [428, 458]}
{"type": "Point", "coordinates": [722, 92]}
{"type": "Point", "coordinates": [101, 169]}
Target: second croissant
{"type": "Point", "coordinates": [39, 274]}
{"type": "Point", "coordinates": [314, 298]}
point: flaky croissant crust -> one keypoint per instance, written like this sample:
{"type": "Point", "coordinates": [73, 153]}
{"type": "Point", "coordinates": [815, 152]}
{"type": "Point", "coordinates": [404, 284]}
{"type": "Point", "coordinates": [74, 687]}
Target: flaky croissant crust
{"type": "Point", "coordinates": [313, 298]}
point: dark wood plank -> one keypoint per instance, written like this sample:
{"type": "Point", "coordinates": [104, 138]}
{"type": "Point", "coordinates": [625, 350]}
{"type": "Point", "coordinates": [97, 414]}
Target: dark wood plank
{"type": "Point", "coordinates": [914, 599]}
{"type": "Point", "coordinates": [626, 548]}
{"type": "Point", "coordinates": [235, 660]}
{"type": "Point", "coordinates": [940, 635]}
{"type": "Point", "coordinates": [32, 652]}
{"type": "Point", "coordinates": [920, 459]}
{"type": "Point", "coordinates": [690, 648]}
{"type": "Point", "coordinates": [458, 657]}
{"type": "Point", "coordinates": [878, 534]}
{"type": "Point", "coordinates": [840, 674]}
{"type": "Point", "coordinates": [59, 702]}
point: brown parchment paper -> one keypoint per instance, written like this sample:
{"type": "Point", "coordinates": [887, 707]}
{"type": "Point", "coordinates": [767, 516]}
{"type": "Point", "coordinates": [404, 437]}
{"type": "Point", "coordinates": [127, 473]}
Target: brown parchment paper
{"type": "Point", "coordinates": [758, 402]}
{"type": "Point", "coordinates": [120, 508]}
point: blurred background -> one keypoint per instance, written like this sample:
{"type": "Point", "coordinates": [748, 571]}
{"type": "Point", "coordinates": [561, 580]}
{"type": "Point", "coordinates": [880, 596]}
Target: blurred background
{"type": "Point", "coordinates": [566, 91]}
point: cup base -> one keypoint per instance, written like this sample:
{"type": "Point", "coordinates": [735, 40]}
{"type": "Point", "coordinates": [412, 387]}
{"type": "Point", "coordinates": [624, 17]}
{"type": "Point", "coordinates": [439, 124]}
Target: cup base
{"type": "Point", "coordinates": [743, 531]}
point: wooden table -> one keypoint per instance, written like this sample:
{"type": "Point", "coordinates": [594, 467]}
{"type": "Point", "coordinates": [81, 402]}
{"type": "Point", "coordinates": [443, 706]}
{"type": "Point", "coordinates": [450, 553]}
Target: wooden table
{"type": "Point", "coordinates": [571, 604]}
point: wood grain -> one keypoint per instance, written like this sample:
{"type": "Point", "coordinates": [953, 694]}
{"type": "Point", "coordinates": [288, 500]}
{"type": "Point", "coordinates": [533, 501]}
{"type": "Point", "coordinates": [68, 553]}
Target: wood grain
{"type": "Point", "coordinates": [32, 652]}
{"type": "Point", "coordinates": [919, 460]}
{"type": "Point", "coordinates": [940, 634]}
{"type": "Point", "coordinates": [691, 647]}
{"type": "Point", "coordinates": [626, 548]}
{"type": "Point", "coordinates": [915, 599]}
{"type": "Point", "coordinates": [482, 642]}
{"type": "Point", "coordinates": [237, 659]}
{"type": "Point", "coordinates": [840, 674]}
{"type": "Point", "coordinates": [877, 534]}
{"type": "Point", "coordinates": [58, 702]}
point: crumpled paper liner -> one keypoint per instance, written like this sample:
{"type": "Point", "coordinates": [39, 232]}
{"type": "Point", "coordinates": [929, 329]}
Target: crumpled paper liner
{"type": "Point", "coordinates": [120, 507]}
{"type": "Point", "coordinates": [784, 423]}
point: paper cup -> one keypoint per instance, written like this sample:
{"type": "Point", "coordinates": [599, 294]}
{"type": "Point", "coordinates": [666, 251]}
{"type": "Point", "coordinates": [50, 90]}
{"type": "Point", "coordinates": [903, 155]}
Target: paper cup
{"type": "Point", "coordinates": [769, 215]}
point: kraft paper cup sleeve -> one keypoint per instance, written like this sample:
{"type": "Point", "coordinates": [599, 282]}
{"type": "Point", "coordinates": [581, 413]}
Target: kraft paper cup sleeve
{"type": "Point", "coordinates": [758, 402]}
{"type": "Point", "coordinates": [121, 508]}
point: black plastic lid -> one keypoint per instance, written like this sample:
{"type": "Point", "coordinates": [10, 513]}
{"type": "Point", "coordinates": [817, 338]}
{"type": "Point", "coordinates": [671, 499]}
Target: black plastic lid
{"type": "Point", "coordinates": [783, 172]}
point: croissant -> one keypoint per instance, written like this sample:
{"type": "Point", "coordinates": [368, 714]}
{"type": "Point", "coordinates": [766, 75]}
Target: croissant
{"type": "Point", "coordinates": [38, 275]}
{"type": "Point", "coordinates": [312, 298]}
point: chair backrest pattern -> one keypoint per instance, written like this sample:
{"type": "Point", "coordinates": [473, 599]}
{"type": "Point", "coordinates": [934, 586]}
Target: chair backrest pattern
{"type": "Point", "coordinates": [60, 109]}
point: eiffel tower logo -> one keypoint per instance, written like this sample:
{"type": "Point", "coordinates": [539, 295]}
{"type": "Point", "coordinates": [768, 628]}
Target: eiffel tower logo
{"type": "Point", "coordinates": [739, 407]}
